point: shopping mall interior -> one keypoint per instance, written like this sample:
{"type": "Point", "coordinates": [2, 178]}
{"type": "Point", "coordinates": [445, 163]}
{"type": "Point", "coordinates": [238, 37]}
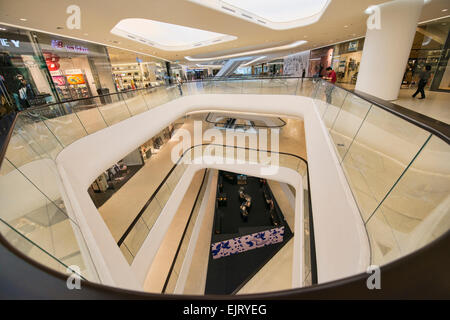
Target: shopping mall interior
{"type": "Point", "coordinates": [204, 149]}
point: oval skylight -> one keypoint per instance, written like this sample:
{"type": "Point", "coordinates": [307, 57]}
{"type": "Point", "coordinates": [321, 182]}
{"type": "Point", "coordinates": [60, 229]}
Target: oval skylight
{"type": "Point", "coordinates": [274, 14]}
{"type": "Point", "coordinates": [167, 36]}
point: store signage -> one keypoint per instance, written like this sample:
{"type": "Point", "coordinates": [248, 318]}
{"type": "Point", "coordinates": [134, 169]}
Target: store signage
{"type": "Point", "coordinates": [75, 79]}
{"type": "Point", "coordinates": [73, 71]}
{"type": "Point", "coordinates": [59, 80]}
{"type": "Point", "coordinates": [353, 46]}
{"type": "Point", "coordinates": [58, 44]}
{"type": "Point", "coordinates": [8, 42]}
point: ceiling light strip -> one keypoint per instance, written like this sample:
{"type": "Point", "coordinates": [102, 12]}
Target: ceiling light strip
{"type": "Point", "coordinates": [254, 60]}
{"type": "Point", "coordinates": [248, 53]}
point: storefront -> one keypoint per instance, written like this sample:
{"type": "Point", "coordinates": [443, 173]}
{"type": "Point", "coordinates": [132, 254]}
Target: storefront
{"type": "Point", "coordinates": [196, 74]}
{"type": "Point", "coordinates": [24, 79]}
{"type": "Point", "coordinates": [133, 71]}
{"type": "Point", "coordinates": [319, 61]}
{"type": "Point", "coordinates": [346, 60]}
{"type": "Point", "coordinates": [78, 69]}
{"type": "Point", "coordinates": [430, 47]}
{"type": "Point", "coordinates": [154, 145]}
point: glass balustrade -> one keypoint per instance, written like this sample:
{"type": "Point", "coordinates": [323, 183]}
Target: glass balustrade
{"type": "Point", "coordinates": [397, 172]}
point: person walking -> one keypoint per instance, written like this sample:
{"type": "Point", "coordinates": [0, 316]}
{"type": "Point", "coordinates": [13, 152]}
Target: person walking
{"type": "Point", "coordinates": [423, 76]}
{"type": "Point", "coordinates": [179, 83]}
{"type": "Point", "coordinates": [331, 77]}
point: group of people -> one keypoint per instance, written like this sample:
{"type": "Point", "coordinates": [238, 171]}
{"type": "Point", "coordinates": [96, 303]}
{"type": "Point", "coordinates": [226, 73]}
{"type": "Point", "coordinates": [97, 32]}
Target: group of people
{"type": "Point", "coordinates": [424, 76]}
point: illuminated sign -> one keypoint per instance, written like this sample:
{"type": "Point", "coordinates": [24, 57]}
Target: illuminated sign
{"type": "Point", "coordinates": [353, 46]}
{"type": "Point", "coordinates": [75, 79]}
{"type": "Point", "coordinates": [58, 44]}
{"type": "Point", "coordinates": [7, 42]}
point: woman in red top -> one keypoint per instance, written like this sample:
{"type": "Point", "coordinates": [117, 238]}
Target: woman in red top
{"type": "Point", "coordinates": [331, 77]}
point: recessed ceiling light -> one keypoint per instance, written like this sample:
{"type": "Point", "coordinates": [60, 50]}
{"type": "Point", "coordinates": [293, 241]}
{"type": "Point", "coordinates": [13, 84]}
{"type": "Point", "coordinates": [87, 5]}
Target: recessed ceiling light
{"type": "Point", "coordinates": [444, 10]}
{"type": "Point", "coordinates": [23, 19]}
{"type": "Point", "coordinates": [167, 36]}
{"type": "Point", "coordinates": [346, 26]}
{"type": "Point", "coordinates": [3, 29]}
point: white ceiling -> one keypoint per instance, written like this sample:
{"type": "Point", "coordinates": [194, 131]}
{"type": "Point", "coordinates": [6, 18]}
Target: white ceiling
{"type": "Point", "coordinates": [342, 20]}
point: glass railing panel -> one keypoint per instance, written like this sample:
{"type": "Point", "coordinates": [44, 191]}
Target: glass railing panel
{"type": "Point", "coordinates": [252, 86]}
{"type": "Point", "coordinates": [126, 253]}
{"type": "Point", "coordinates": [208, 86]}
{"type": "Point", "coordinates": [20, 151]}
{"type": "Point", "coordinates": [163, 194]}
{"type": "Point", "coordinates": [231, 86]}
{"type": "Point", "coordinates": [136, 237]}
{"type": "Point", "coordinates": [33, 251]}
{"type": "Point", "coordinates": [416, 211]}
{"type": "Point", "coordinates": [307, 276]}
{"type": "Point", "coordinates": [302, 168]}
{"type": "Point", "coordinates": [152, 213]}
{"type": "Point", "coordinates": [136, 104]}
{"type": "Point", "coordinates": [382, 149]}
{"type": "Point", "coordinates": [40, 218]}
{"type": "Point", "coordinates": [348, 121]}
{"type": "Point", "coordinates": [305, 87]}
{"type": "Point", "coordinates": [115, 111]}
{"type": "Point", "coordinates": [177, 173]}
{"type": "Point", "coordinates": [172, 180]}
{"type": "Point", "coordinates": [66, 129]}
{"type": "Point", "coordinates": [35, 132]}
{"type": "Point", "coordinates": [279, 86]}
{"type": "Point", "coordinates": [156, 97]}
{"type": "Point", "coordinates": [91, 119]}
{"type": "Point", "coordinates": [192, 88]}
{"type": "Point", "coordinates": [334, 106]}
{"type": "Point", "coordinates": [287, 161]}
{"type": "Point", "coordinates": [179, 259]}
{"type": "Point", "coordinates": [320, 95]}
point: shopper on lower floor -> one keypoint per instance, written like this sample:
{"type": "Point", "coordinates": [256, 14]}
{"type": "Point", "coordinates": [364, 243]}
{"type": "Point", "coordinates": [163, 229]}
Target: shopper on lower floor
{"type": "Point", "coordinates": [424, 76]}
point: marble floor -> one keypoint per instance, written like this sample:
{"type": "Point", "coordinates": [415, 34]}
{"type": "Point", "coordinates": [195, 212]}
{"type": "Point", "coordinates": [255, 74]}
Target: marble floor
{"type": "Point", "coordinates": [436, 105]}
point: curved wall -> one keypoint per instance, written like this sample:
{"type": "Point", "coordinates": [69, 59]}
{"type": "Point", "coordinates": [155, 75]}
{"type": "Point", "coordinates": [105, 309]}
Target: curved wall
{"type": "Point", "coordinates": [342, 246]}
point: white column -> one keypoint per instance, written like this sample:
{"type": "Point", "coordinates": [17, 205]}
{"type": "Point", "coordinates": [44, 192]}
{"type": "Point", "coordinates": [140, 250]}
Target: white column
{"type": "Point", "coordinates": [389, 38]}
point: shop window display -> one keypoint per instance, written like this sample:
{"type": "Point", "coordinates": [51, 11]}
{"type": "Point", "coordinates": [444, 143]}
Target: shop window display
{"type": "Point", "coordinates": [78, 69]}
{"type": "Point", "coordinates": [115, 177]}
{"type": "Point", "coordinates": [319, 61]}
{"type": "Point", "coordinates": [430, 48]}
{"type": "Point", "coordinates": [155, 144]}
{"type": "Point", "coordinates": [131, 71]}
{"type": "Point", "coordinates": [346, 60]}
{"type": "Point", "coordinates": [23, 75]}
